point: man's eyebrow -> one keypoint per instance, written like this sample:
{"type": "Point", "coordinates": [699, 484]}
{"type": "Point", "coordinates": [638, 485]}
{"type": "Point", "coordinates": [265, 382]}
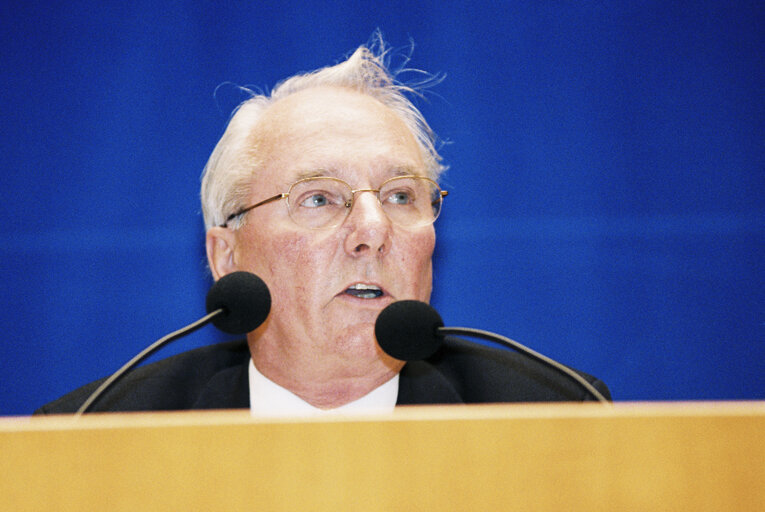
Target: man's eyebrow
{"type": "Point", "coordinates": [313, 173]}
{"type": "Point", "coordinates": [403, 171]}
{"type": "Point", "coordinates": [323, 172]}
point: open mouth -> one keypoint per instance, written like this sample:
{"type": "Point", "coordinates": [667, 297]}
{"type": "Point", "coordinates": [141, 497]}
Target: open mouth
{"type": "Point", "coordinates": [364, 291]}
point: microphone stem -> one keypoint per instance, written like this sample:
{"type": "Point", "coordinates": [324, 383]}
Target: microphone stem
{"type": "Point", "coordinates": [143, 355]}
{"type": "Point", "coordinates": [490, 336]}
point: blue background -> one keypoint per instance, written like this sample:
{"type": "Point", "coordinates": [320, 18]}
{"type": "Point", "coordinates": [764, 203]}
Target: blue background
{"type": "Point", "coordinates": [606, 177]}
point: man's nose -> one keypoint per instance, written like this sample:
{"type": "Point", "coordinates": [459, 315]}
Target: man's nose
{"type": "Point", "coordinates": [370, 227]}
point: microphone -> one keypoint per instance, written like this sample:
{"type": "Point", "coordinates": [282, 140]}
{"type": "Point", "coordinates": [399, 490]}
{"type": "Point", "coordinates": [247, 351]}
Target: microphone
{"type": "Point", "coordinates": [411, 330]}
{"type": "Point", "coordinates": [236, 304]}
{"type": "Point", "coordinates": [240, 302]}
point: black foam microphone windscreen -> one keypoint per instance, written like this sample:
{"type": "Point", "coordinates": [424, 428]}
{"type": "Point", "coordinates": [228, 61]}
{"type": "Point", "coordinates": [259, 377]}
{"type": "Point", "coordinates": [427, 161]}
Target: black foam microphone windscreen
{"type": "Point", "coordinates": [408, 330]}
{"type": "Point", "coordinates": [244, 299]}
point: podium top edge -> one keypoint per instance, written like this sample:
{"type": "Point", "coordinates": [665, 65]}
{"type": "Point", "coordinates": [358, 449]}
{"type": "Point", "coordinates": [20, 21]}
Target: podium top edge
{"type": "Point", "coordinates": [400, 414]}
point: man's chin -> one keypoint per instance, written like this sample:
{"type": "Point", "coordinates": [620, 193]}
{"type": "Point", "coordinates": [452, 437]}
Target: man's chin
{"type": "Point", "coordinates": [358, 339]}
{"type": "Point", "coordinates": [359, 312]}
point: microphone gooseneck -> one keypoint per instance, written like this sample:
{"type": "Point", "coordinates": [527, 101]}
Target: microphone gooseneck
{"type": "Point", "coordinates": [411, 330]}
{"type": "Point", "coordinates": [237, 304]}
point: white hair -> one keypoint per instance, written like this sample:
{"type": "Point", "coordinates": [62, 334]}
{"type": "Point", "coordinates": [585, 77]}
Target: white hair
{"type": "Point", "coordinates": [235, 158]}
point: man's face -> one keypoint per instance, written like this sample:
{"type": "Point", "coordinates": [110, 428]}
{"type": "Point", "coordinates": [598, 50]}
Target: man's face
{"type": "Point", "coordinates": [314, 317]}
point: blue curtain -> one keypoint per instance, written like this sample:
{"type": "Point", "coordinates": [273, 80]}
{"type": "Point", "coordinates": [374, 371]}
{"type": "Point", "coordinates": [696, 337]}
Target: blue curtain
{"type": "Point", "coordinates": [606, 177]}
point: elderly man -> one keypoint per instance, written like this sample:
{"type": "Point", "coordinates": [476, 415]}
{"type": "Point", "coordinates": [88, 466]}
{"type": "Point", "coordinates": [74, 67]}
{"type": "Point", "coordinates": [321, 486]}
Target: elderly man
{"type": "Point", "coordinates": [327, 190]}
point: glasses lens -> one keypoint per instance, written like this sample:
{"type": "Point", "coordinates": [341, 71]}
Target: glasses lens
{"type": "Point", "coordinates": [411, 201]}
{"type": "Point", "coordinates": [318, 202]}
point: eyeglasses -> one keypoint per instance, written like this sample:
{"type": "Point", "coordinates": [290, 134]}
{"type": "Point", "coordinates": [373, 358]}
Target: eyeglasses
{"type": "Point", "coordinates": [324, 202]}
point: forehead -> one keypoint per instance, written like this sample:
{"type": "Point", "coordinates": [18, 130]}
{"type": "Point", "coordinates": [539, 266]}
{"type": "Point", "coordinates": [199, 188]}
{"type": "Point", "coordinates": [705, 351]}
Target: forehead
{"type": "Point", "coordinates": [336, 130]}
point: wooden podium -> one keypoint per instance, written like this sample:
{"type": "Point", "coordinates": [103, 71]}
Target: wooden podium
{"type": "Point", "coordinates": [625, 457]}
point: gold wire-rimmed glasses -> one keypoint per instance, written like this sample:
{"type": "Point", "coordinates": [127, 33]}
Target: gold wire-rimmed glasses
{"type": "Point", "coordinates": [324, 202]}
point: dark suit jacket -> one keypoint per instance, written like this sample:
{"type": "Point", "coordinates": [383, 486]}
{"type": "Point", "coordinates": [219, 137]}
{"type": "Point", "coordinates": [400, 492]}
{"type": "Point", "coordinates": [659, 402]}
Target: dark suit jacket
{"type": "Point", "coordinates": [215, 377]}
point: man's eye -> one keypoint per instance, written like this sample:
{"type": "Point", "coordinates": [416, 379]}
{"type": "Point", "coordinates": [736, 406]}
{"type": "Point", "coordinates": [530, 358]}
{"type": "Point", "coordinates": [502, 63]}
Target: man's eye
{"type": "Point", "coordinates": [314, 200]}
{"type": "Point", "coordinates": [320, 198]}
{"type": "Point", "coordinates": [400, 197]}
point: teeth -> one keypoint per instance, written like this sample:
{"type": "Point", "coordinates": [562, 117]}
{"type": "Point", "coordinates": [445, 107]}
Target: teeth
{"type": "Point", "coordinates": [364, 291]}
{"type": "Point", "coordinates": [361, 286]}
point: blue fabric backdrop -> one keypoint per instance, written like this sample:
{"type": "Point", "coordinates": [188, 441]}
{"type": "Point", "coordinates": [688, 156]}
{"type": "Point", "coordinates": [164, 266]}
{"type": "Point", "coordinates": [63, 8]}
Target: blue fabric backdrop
{"type": "Point", "coordinates": [606, 182]}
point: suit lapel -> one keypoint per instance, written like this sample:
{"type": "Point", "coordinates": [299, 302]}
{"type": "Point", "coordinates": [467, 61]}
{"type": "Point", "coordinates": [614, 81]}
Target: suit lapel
{"type": "Point", "coordinates": [422, 383]}
{"type": "Point", "coordinates": [228, 389]}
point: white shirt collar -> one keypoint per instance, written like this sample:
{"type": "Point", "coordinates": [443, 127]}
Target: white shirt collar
{"type": "Point", "coordinates": [268, 399]}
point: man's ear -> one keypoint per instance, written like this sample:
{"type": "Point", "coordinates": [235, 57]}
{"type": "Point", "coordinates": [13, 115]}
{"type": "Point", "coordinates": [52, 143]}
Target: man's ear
{"type": "Point", "coordinates": [220, 243]}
